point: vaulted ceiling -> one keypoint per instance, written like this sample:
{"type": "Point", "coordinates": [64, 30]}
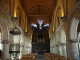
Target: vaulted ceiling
{"type": "Point", "coordinates": [39, 14]}
{"type": "Point", "coordinates": [39, 10]}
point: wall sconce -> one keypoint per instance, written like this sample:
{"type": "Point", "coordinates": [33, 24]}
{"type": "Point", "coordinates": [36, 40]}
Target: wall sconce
{"type": "Point", "coordinates": [26, 33]}
{"type": "Point", "coordinates": [14, 18]}
{"type": "Point", "coordinates": [64, 18]}
{"type": "Point", "coordinates": [53, 32]}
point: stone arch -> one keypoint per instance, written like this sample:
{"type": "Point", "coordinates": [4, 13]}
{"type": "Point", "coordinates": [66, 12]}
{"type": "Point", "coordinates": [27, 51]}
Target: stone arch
{"type": "Point", "coordinates": [73, 38]}
{"type": "Point", "coordinates": [58, 17]}
{"type": "Point", "coordinates": [4, 20]}
{"type": "Point", "coordinates": [73, 29]}
{"type": "Point", "coordinates": [4, 29]}
{"type": "Point", "coordinates": [19, 15]}
{"type": "Point", "coordinates": [58, 13]}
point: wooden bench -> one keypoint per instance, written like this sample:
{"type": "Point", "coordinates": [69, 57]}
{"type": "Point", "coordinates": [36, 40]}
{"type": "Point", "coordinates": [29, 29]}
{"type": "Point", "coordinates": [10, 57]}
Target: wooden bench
{"type": "Point", "coordinates": [29, 56]}
{"type": "Point", "coordinates": [50, 56]}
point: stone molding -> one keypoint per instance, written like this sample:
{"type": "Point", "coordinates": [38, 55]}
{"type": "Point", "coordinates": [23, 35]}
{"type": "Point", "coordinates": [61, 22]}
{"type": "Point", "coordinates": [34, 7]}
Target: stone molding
{"type": "Point", "coordinates": [63, 44]}
{"type": "Point", "coordinates": [5, 42]}
{"type": "Point", "coordinates": [73, 41]}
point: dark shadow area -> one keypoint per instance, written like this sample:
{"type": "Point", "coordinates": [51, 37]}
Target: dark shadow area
{"type": "Point", "coordinates": [40, 48]}
{"type": "Point", "coordinates": [0, 54]}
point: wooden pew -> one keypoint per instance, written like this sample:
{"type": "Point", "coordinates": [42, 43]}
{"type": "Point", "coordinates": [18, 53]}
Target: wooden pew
{"type": "Point", "coordinates": [29, 56]}
{"type": "Point", "coordinates": [50, 56]}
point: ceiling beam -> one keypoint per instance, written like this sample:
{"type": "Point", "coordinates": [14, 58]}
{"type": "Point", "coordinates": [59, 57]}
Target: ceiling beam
{"type": "Point", "coordinates": [40, 15]}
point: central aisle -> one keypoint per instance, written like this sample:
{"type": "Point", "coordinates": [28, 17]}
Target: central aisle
{"type": "Point", "coordinates": [40, 57]}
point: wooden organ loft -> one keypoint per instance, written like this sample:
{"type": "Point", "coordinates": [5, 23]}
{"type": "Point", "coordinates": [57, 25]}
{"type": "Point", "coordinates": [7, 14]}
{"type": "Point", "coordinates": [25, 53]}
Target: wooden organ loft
{"type": "Point", "coordinates": [40, 40]}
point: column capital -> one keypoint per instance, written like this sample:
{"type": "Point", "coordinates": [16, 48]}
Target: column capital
{"type": "Point", "coordinates": [5, 42]}
{"type": "Point", "coordinates": [73, 40]}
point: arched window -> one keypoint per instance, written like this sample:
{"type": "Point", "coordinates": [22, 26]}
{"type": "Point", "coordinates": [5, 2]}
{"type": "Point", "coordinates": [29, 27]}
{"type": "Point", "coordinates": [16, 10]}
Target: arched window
{"type": "Point", "coordinates": [58, 15]}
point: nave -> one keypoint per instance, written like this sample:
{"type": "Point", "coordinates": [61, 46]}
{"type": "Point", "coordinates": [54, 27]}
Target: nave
{"type": "Point", "coordinates": [40, 26]}
{"type": "Point", "coordinates": [40, 57]}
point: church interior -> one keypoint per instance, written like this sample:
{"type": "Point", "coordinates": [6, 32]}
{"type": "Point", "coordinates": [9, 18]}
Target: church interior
{"type": "Point", "coordinates": [39, 29]}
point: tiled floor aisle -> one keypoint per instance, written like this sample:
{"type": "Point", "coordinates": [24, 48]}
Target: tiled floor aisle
{"type": "Point", "coordinates": [40, 57]}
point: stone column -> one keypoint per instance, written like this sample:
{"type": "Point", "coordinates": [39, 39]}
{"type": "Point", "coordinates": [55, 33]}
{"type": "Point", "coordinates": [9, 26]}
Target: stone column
{"type": "Point", "coordinates": [73, 48]}
{"type": "Point", "coordinates": [75, 51]}
{"type": "Point", "coordinates": [5, 50]}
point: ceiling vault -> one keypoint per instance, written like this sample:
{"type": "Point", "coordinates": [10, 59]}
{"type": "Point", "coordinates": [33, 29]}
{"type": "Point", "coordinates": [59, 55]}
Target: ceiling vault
{"type": "Point", "coordinates": [39, 10]}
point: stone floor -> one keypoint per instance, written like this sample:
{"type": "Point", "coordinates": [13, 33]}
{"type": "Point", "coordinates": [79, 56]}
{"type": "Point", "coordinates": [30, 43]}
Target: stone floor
{"type": "Point", "coordinates": [40, 57]}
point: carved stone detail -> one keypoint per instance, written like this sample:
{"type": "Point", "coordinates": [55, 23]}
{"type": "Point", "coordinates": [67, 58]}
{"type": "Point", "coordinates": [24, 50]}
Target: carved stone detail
{"type": "Point", "coordinates": [62, 43]}
{"type": "Point", "coordinates": [5, 42]}
{"type": "Point", "coordinates": [73, 41]}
